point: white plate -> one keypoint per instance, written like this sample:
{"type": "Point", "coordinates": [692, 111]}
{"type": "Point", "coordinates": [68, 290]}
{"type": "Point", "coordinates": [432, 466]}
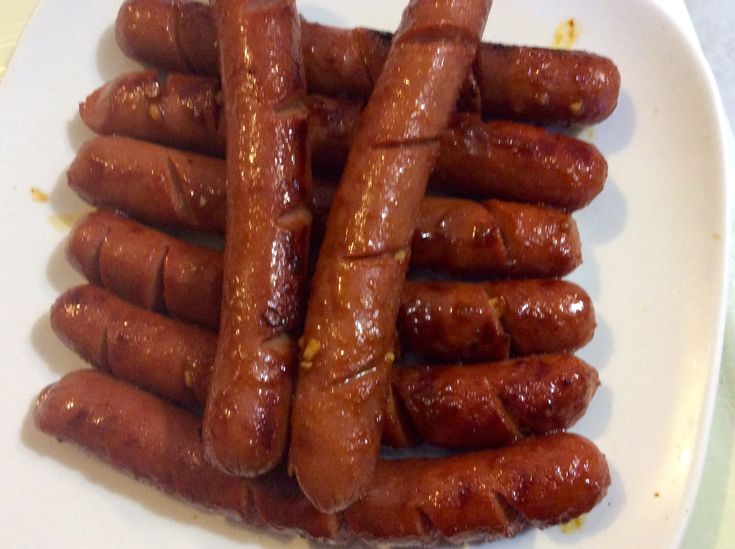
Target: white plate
{"type": "Point", "coordinates": [654, 248]}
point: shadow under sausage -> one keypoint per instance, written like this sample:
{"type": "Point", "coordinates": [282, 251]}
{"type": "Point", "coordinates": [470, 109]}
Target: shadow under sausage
{"type": "Point", "coordinates": [599, 351]}
{"type": "Point", "coordinates": [605, 218]}
{"type": "Point", "coordinates": [616, 133]}
{"type": "Point", "coordinates": [111, 61]}
{"type": "Point", "coordinates": [57, 356]}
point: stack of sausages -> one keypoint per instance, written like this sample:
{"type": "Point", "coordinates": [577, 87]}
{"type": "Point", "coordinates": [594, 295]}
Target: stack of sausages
{"type": "Point", "coordinates": [261, 381]}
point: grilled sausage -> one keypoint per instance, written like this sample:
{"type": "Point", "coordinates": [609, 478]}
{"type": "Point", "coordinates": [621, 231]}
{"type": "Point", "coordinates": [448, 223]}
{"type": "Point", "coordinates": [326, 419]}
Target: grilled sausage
{"type": "Point", "coordinates": [267, 235]}
{"type": "Point", "coordinates": [495, 239]}
{"type": "Point", "coordinates": [342, 386]}
{"type": "Point", "coordinates": [512, 82]}
{"type": "Point", "coordinates": [181, 110]}
{"type": "Point", "coordinates": [148, 268]}
{"type": "Point", "coordinates": [483, 405]}
{"type": "Point", "coordinates": [482, 495]}
{"type": "Point", "coordinates": [478, 159]}
{"type": "Point", "coordinates": [462, 237]}
{"type": "Point", "coordinates": [493, 320]}
{"type": "Point", "coordinates": [438, 321]}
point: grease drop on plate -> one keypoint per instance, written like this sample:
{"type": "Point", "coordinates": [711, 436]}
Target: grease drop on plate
{"type": "Point", "coordinates": [64, 222]}
{"type": "Point", "coordinates": [566, 34]}
{"type": "Point", "coordinates": [573, 525]}
{"type": "Point", "coordinates": [38, 195]}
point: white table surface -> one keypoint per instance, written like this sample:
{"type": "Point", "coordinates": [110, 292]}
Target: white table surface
{"type": "Point", "coordinates": [713, 521]}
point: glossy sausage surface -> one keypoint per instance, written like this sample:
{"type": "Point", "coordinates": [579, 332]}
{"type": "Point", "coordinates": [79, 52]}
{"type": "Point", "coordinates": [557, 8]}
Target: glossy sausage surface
{"type": "Point", "coordinates": [470, 322]}
{"type": "Point", "coordinates": [475, 496]}
{"type": "Point", "coordinates": [482, 405]}
{"type": "Point", "coordinates": [342, 386]}
{"type": "Point", "coordinates": [245, 427]}
{"type": "Point", "coordinates": [440, 321]}
{"type": "Point", "coordinates": [457, 236]}
{"type": "Point", "coordinates": [479, 159]}
{"type": "Point", "coordinates": [509, 82]}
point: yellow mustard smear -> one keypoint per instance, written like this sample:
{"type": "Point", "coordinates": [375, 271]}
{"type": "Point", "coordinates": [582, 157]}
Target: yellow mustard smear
{"type": "Point", "coordinates": [573, 525]}
{"type": "Point", "coordinates": [37, 195]}
{"type": "Point", "coordinates": [566, 34]}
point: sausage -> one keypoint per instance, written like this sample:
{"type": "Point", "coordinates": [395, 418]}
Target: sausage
{"type": "Point", "coordinates": [245, 428]}
{"type": "Point", "coordinates": [438, 321]}
{"type": "Point", "coordinates": [493, 320]}
{"type": "Point", "coordinates": [158, 354]}
{"type": "Point", "coordinates": [154, 183]}
{"type": "Point", "coordinates": [483, 405]}
{"type": "Point", "coordinates": [513, 82]}
{"type": "Point", "coordinates": [482, 495]}
{"type": "Point", "coordinates": [478, 159]}
{"type": "Point", "coordinates": [161, 444]}
{"type": "Point", "coordinates": [546, 87]}
{"type": "Point", "coordinates": [176, 36]}
{"type": "Point", "coordinates": [147, 267]}
{"type": "Point", "coordinates": [342, 385]}
{"type": "Point", "coordinates": [457, 236]}
{"type": "Point", "coordinates": [495, 239]}
{"type": "Point", "coordinates": [144, 106]}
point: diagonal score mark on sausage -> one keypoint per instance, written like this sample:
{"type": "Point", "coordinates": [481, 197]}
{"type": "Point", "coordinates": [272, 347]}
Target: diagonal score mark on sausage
{"type": "Point", "coordinates": [175, 34]}
{"type": "Point", "coordinates": [181, 204]}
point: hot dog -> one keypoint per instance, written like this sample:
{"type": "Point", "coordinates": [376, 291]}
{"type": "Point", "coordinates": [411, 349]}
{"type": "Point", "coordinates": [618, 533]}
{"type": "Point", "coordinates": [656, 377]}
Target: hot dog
{"type": "Point", "coordinates": [493, 320]}
{"type": "Point", "coordinates": [267, 240]}
{"type": "Point", "coordinates": [494, 239]}
{"type": "Point", "coordinates": [342, 385]}
{"type": "Point", "coordinates": [483, 405]}
{"type": "Point", "coordinates": [479, 159]}
{"type": "Point", "coordinates": [533, 84]}
{"type": "Point", "coordinates": [458, 236]}
{"type": "Point", "coordinates": [482, 495]}
{"type": "Point", "coordinates": [439, 321]}
{"type": "Point", "coordinates": [148, 268]}
{"type": "Point", "coordinates": [182, 110]}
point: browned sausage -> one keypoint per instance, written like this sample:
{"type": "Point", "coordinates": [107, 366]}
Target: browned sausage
{"type": "Point", "coordinates": [495, 239]}
{"type": "Point", "coordinates": [267, 239]}
{"type": "Point", "coordinates": [147, 267]}
{"type": "Point", "coordinates": [480, 159]}
{"type": "Point", "coordinates": [161, 444]}
{"type": "Point", "coordinates": [546, 86]}
{"type": "Point", "coordinates": [350, 323]}
{"type": "Point", "coordinates": [439, 321]}
{"type": "Point", "coordinates": [181, 110]}
{"type": "Point", "coordinates": [481, 495]}
{"type": "Point", "coordinates": [483, 405]}
{"type": "Point", "coordinates": [493, 320]}
{"type": "Point", "coordinates": [153, 183]}
{"type": "Point", "coordinates": [462, 237]}
{"type": "Point", "coordinates": [536, 84]}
